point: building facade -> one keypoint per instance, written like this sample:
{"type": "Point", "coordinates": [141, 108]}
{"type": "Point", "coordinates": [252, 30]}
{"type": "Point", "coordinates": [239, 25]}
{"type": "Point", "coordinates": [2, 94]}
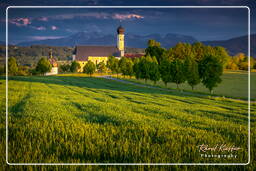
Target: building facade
{"type": "Point", "coordinates": [97, 54]}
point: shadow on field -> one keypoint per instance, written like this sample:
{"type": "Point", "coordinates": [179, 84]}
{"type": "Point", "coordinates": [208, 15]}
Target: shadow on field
{"type": "Point", "coordinates": [18, 109]}
{"type": "Point", "coordinates": [94, 83]}
{"type": "Point", "coordinates": [94, 115]}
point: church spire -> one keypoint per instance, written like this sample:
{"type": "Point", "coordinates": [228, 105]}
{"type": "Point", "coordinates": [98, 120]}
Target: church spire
{"type": "Point", "coordinates": [120, 40]}
{"type": "Point", "coordinates": [50, 54]}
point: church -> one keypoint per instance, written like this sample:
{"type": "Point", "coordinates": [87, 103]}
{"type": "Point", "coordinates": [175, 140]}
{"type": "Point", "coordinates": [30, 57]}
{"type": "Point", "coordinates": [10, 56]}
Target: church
{"type": "Point", "coordinates": [97, 54]}
{"type": "Point", "coordinates": [53, 63]}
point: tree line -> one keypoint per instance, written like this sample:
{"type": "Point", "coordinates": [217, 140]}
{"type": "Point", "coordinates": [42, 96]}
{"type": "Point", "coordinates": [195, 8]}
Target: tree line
{"type": "Point", "coordinates": [183, 63]}
{"type": "Point", "coordinates": [191, 63]}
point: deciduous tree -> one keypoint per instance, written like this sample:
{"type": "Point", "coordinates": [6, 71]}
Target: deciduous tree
{"type": "Point", "coordinates": [102, 67]}
{"type": "Point", "coordinates": [89, 68]}
{"type": "Point", "coordinates": [75, 66]}
{"type": "Point", "coordinates": [191, 72]}
{"type": "Point", "coordinates": [165, 71]}
{"type": "Point", "coordinates": [210, 71]}
{"type": "Point", "coordinates": [43, 66]}
{"type": "Point", "coordinates": [177, 72]}
{"type": "Point", "coordinates": [12, 66]}
{"type": "Point", "coordinates": [154, 73]}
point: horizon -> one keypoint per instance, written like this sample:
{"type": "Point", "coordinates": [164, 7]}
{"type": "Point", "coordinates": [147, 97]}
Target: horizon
{"type": "Point", "coordinates": [161, 35]}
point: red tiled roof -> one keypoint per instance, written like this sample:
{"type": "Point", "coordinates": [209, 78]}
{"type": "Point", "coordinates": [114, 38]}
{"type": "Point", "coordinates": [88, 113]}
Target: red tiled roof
{"type": "Point", "coordinates": [134, 55]}
{"type": "Point", "coordinates": [53, 62]}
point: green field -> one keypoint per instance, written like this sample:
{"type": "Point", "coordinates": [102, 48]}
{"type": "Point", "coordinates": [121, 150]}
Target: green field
{"type": "Point", "coordinates": [89, 120]}
{"type": "Point", "coordinates": [234, 84]}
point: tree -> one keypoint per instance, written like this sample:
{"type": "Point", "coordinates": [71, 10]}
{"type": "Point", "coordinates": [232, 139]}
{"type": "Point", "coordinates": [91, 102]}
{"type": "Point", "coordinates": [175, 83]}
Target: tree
{"type": "Point", "coordinates": [89, 68]}
{"type": "Point", "coordinates": [122, 65]}
{"type": "Point", "coordinates": [221, 54]}
{"type": "Point", "coordinates": [102, 67]}
{"type": "Point", "coordinates": [129, 67]}
{"type": "Point", "coordinates": [75, 66]}
{"type": "Point", "coordinates": [177, 72]}
{"type": "Point", "coordinates": [136, 68]}
{"type": "Point", "coordinates": [154, 73]}
{"type": "Point", "coordinates": [191, 72]}
{"type": "Point", "coordinates": [154, 49]}
{"type": "Point", "coordinates": [144, 67]}
{"type": "Point", "coordinates": [113, 65]}
{"type": "Point", "coordinates": [210, 71]}
{"type": "Point", "coordinates": [152, 43]}
{"type": "Point", "coordinates": [43, 66]}
{"type": "Point", "coordinates": [165, 71]}
{"type": "Point", "coordinates": [126, 66]}
{"type": "Point", "coordinates": [12, 66]}
{"type": "Point", "coordinates": [65, 68]}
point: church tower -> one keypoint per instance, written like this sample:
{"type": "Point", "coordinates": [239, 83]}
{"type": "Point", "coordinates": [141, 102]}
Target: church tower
{"type": "Point", "coordinates": [120, 39]}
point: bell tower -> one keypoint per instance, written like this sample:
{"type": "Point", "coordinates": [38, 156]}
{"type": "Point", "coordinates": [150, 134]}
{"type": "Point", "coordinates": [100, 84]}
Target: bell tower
{"type": "Point", "coordinates": [120, 39]}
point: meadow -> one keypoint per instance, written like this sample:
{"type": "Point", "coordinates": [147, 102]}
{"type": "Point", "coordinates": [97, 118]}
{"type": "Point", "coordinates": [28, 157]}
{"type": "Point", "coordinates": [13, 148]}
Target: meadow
{"type": "Point", "coordinates": [76, 119]}
{"type": "Point", "coordinates": [234, 84]}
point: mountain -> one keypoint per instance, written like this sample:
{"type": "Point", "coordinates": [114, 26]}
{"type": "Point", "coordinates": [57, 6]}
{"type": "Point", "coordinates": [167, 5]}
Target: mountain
{"type": "Point", "coordinates": [236, 45]}
{"type": "Point", "coordinates": [131, 40]}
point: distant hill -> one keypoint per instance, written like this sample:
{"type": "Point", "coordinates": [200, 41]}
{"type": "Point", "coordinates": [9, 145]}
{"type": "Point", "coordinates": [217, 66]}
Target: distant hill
{"type": "Point", "coordinates": [137, 43]}
{"type": "Point", "coordinates": [236, 45]}
{"type": "Point", "coordinates": [131, 40]}
{"type": "Point", "coordinates": [2, 43]}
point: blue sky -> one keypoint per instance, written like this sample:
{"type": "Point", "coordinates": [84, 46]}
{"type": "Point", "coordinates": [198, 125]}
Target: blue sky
{"type": "Point", "coordinates": [203, 24]}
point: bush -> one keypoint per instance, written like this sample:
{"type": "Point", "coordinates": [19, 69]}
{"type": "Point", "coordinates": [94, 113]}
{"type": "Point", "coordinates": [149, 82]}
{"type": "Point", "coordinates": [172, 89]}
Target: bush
{"type": "Point", "coordinates": [65, 68]}
{"type": "Point", "coordinates": [23, 71]}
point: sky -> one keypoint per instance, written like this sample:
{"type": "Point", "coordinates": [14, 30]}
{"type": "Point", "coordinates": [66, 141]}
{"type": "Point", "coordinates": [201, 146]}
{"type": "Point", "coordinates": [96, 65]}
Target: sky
{"type": "Point", "coordinates": [28, 24]}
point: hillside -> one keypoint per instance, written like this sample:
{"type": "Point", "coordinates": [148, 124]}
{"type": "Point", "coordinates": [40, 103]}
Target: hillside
{"type": "Point", "coordinates": [31, 54]}
{"type": "Point", "coordinates": [236, 45]}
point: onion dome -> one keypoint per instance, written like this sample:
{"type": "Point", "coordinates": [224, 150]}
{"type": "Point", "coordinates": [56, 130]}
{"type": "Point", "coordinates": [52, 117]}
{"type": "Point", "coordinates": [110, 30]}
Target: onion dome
{"type": "Point", "coordinates": [120, 30]}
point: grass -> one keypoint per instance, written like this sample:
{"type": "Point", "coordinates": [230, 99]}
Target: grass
{"type": "Point", "coordinates": [88, 120]}
{"type": "Point", "coordinates": [234, 84]}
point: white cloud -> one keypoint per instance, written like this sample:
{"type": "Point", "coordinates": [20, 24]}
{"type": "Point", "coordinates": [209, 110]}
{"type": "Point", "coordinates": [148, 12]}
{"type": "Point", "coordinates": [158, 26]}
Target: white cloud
{"type": "Point", "coordinates": [44, 37]}
{"type": "Point", "coordinates": [54, 27]}
{"type": "Point", "coordinates": [126, 16]}
{"type": "Point", "coordinates": [20, 21]}
{"type": "Point", "coordinates": [43, 19]}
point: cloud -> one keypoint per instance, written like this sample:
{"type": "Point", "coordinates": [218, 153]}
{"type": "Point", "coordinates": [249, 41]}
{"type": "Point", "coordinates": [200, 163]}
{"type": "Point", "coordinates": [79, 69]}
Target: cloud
{"type": "Point", "coordinates": [43, 19]}
{"type": "Point", "coordinates": [40, 28]}
{"type": "Point", "coordinates": [54, 27]}
{"type": "Point", "coordinates": [44, 37]}
{"type": "Point", "coordinates": [126, 16]}
{"type": "Point", "coordinates": [20, 21]}
{"type": "Point", "coordinates": [98, 15]}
